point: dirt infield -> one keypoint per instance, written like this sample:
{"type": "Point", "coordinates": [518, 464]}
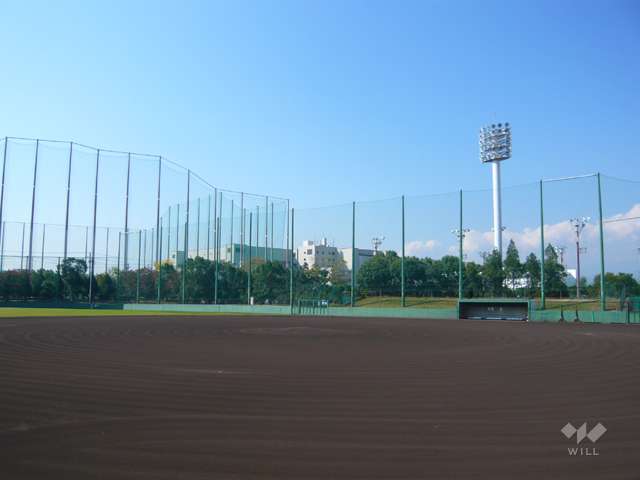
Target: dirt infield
{"type": "Point", "coordinates": [284, 398]}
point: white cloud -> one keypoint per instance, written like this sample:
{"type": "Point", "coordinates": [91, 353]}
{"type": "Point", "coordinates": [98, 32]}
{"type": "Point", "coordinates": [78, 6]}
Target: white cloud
{"type": "Point", "coordinates": [420, 248]}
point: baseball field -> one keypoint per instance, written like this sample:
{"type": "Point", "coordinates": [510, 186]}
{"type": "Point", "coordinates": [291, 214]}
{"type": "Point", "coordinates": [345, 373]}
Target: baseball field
{"type": "Point", "coordinates": [232, 397]}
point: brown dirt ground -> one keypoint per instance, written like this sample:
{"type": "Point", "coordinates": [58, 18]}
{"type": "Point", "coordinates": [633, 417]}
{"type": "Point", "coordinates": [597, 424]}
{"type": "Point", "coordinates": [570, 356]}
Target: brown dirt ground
{"type": "Point", "coordinates": [314, 398]}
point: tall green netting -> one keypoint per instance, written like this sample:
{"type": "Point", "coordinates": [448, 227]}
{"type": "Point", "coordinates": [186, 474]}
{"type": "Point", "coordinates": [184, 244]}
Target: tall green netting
{"type": "Point", "coordinates": [323, 249]}
{"type": "Point", "coordinates": [431, 250]}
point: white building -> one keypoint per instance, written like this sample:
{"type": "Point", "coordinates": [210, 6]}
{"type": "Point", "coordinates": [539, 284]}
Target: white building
{"type": "Point", "coordinates": [362, 256]}
{"type": "Point", "coordinates": [324, 256]}
{"type": "Point", "coordinates": [317, 255]}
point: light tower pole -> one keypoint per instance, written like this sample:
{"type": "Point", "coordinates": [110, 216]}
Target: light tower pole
{"type": "Point", "coordinates": [578, 224]}
{"type": "Point", "coordinates": [495, 146]}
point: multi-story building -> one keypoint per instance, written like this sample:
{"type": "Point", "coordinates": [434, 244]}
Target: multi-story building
{"type": "Point", "coordinates": [325, 256]}
{"type": "Point", "coordinates": [319, 255]}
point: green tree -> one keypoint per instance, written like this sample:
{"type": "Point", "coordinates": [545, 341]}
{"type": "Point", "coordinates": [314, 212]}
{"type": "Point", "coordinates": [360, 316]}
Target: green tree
{"type": "Point", "coordinates": [75, 282]}
{"type": "Point", "coordinates": [270, 283]}
{"type": "Point", "coordinates": [512, 267]}
{"type": "Point", "coordinates": [374, 276]}
{"type": "Point", "coordinates": [493, 273]}
{"type": "Point", "coordinates": [531, 269]}
{"type": "Point", "coordinates": [473, 280]}
{"type": "Point", "coordinates": [554, 274]}
{"type": "Point", "coordinates": [106, 287]}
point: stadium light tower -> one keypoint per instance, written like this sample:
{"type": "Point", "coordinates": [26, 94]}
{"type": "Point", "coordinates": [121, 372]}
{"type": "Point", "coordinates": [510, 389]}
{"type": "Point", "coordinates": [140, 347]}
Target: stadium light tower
{"type": "Point", "coordinates": [578, 224]}
{"type": "Point", "coordinates": [495, 146]}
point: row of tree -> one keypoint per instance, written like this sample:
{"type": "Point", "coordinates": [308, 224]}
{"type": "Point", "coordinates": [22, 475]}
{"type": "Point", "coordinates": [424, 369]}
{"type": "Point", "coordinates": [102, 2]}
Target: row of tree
{"type": "Point", "coordinates": [381, 275]}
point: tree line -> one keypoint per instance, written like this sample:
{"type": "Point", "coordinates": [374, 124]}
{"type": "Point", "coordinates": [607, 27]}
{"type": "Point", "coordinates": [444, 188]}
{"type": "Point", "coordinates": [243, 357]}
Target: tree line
{"type": "Point", "coordinates": [269, 281]}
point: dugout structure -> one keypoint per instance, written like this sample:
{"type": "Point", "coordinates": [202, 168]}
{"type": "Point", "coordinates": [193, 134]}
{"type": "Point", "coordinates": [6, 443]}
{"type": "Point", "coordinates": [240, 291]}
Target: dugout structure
{"type": "Point", "coordinates": [495, 309]}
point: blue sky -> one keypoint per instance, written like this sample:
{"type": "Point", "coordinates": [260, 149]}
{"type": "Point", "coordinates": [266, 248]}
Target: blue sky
{"type": "Point", "coordinates": [327, 102]}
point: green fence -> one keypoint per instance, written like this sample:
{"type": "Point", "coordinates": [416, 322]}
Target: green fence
{"type": "Point", "coordinates": [82, 224]}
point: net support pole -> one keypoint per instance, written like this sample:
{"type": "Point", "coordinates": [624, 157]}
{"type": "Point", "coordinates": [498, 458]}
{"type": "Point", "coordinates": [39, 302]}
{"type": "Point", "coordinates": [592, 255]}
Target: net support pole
{"type": "Point", "coordinates": [159, 293]}
{"type": "Point", "coordinates": [138, 270]}
{"type": "Point", "coordinates": [208, 225]}
{"type": "Point", "coordinates": [543, 302]}
{"type": "Point", "coordinates": [287, 239]}
{"type": "Point", "coordinates": [353, 254]}
{"type": "Point", "coordinates": [291, 277]}
{"type": "Point", "coordinates": [126, 216]}
{"type": "Point", "coordinates": [403, 302]}
{"type": "Point", "coordinates": [215, 246]}
{"type": "Point", "coordinates": [118, 266]}
{"type": "Point", "coordinates": [242, 222]}
{"type": "Point", "coordinates": [186, 240]}
{"type": "Point", "coordinates": [33, 208]}
{"type": "Point", "coordinates": [460, 250]}
{"type": "Point", "coordinates": [66, 215]}
{"type": "Point", "coordinates": [232, 256]}
{"type": "Point", "coordinates": [157, 249]}
{"type": "Point", "coordinates": [4, 168]}
{"type": "Point", "coordinates": [217, 252]}
{"type": "Point", "coordinates": [249, 264]}
{"type": "Point", "coordinates": [93, 235]}
{"type": "Point", "coordinates": [603, 298]}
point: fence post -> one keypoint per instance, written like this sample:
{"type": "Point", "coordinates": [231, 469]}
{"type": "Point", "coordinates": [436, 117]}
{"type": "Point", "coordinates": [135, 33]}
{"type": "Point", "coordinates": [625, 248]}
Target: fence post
{"type": "Point", "coordinates": [291, 278]}
{"type": "Point", "coordinates": [272, 231]}
{"type": "Point", "coordinates": [93, 238]}
{"type": "Point", "coordinates": [118, 266]}
{"type": "Point", "coordinates": [126, 216]}
{"type": "Point", "coordinates": [461, 252]}
{"type": "Point", "coordinates": [603, 298]}
{"type": "Point", "coordinates": [186, 240]}
{"type": "Point", "coordinates": [542, 295]}
{"type": "Point", "coordinates": [353, 255]}
{"type": "Point", "coordinates": [257, 230]}
{"type": "Point", "coordinates": [66, 216]}
{"type": "Point", "coordinates": [249, 267]}
{"type": "Point", "coordinates": [403, 302]}
{"type": "Point", "coordinates": [33, 208]}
